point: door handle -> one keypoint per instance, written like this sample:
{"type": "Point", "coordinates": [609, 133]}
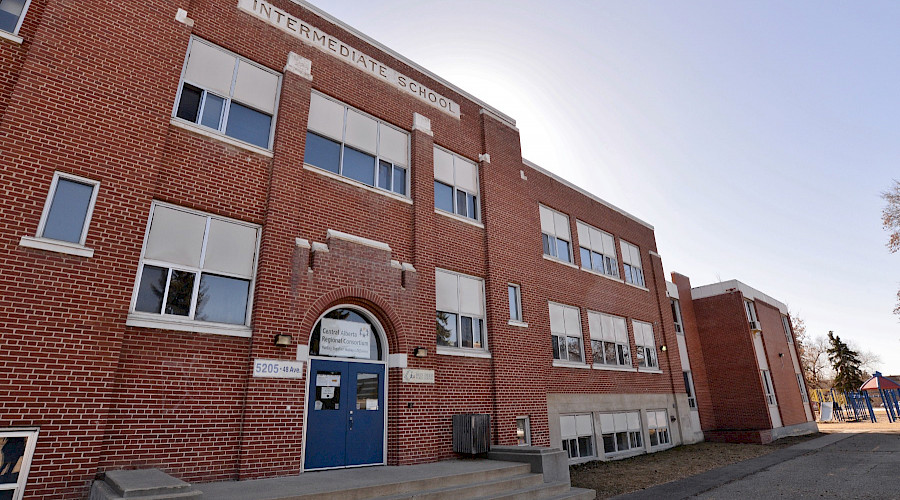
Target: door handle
{"type": "Point", "coordinates": [351, 423]}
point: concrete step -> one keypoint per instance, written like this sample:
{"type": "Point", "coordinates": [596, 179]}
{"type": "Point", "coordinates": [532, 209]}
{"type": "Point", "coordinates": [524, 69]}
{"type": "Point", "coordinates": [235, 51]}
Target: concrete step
{"type": "Point", "coordinates": [490, 487]}
{"type": "Point", "coordinates": [537, 492]}
{"type": "Point", "coordinates": [576, 494]}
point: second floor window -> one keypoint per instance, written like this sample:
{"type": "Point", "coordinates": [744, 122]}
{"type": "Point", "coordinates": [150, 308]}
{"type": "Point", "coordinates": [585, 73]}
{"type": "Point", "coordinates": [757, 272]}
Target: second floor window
{"type": "Point", "coordinates": [598, 250]}
{"type": "Point", "coordinates": [609, 339]}
{"type": "Point", "coordinates": [460, 310]}
{"type": "Point", "coordinates": [631, 258]}
{"type": "Point", "coordinates": [455, 184]}
{"type": "Point", "coordinates": [565, 328]}
{"type": "Point", "coordinates": [646, 345]}
{"type": "Point", "coordinates": [555, 234]}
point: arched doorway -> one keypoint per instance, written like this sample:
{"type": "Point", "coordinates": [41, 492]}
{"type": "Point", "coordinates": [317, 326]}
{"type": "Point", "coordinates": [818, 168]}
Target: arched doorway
{"type": "Point", "coordinates": [345, 408]}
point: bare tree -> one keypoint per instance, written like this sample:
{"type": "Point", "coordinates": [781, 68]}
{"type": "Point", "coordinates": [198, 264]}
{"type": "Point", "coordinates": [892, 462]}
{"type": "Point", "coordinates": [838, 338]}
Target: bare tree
{"type": "Point", "coordinates": [890, 219]}
{"type": "Point", "coordinates": [812, 353]}
{"type": "Point", "coordinates": [868, 360]}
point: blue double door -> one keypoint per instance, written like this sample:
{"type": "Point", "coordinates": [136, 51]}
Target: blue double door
{"type": "Point", "coordinates": [345, 422]}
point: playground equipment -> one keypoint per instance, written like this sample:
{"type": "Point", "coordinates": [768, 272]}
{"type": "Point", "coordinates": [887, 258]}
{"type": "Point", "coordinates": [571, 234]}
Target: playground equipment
{"type": "Point", "coordinates": [888, 390]}
{"type": "Point", "coordinates": [847, 406]}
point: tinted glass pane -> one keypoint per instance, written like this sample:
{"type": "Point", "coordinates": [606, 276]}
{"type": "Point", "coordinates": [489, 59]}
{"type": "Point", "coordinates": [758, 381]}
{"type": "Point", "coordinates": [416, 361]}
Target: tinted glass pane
{"type": "Point", "coordinates": [68, 211]}
{"type": "Point", "coordinates": [367, 391]}
{"type": "Point", "coordinates": [549, 244]}
{"type": "Point", "coordinates": [443, 196]}
{"type": "Point", "coordinates": [222, 300]}
{"type": "Point", "coordinates": [609, 443]}
{"type": "Point", "coordinates": [13, 449]}
{"type": "Point", "coordinates": [472, 209]}
{"type": "Point", "coordinates": [248, 125]}
{"type": "Point", "coordinates": [189, 105]}
{"type": "Point", "coordinates": [596, 262]}
{"type": "Point", "coordinates": [461, 206]}
{"type": "Point", "coordinates": [585, 446]}
{"type": "Point", "coordinates": [212, 111]}
{"type": "Point", "coordinates": [556, 352]}
{"type": "Point", "coordinates": [622, 441]}
{"type": "Point", "coordinates": [562, 249]}
{"type": "Point", "coordinates": [151, 289]}
{"type": "Point", "coordinates": [466, 331]}
{"type": "Point", "coordinates": [322, 152]}
{"type": "Point", "coordinates": [585, 257]}
{"type": "Point", "coordinates": [181, 288]}
{"type": "Point", "coordinates": [573, 345]}
{"type": "Point", "coordinates": [446, 329]}
{"type": "Point", "coordinates": [384, 175]}
{"type": "Point", "coordinates": [359, 166]}
{"type": "Point", "coordinates": [399, 180]}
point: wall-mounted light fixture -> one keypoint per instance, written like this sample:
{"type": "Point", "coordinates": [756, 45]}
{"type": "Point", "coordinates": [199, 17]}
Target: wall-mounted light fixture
{"type": "Point", "coordinates": [282, 340]}
{"type": "Point", "coordinates": [663, 348]}
{"type": "Point", "coordinates": [420, 352]}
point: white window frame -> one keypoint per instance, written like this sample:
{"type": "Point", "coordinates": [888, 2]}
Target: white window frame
{"type": "Point", "coordinates": [676, 314]}
{"type": "Point", "coordinates": [554, 250]}
{"type": "Point", "coordinates": [378, 157]}
{"type": "Point", "coordinates": [633, 272]}
{"type": "Point", "coordinates": [526, 427]}
{"type": "Point", "coordinates": [459, 349]}
{"type": "Point", "coordinates": [634, 433]}
{"type": "Point", "coordinates": [31, 436]}
{"type": "Point", "coordinates": [768, 387]}
{"type": "Point", "coordinates": [517, 298]}
{"type": "Point", "coordinates": [804, 396]}
{"type": "Point", "coordinates": [623, 350]}
{"type": "Point", "coordinates": [226, 105]}
{"type": "Point", "coordinates": [649, 351]}
{"type": "Point", "coordinates": [658, 431]}
{"type": "Point", "coordinates": [455, 187]}
{"type": "Point", "coordinates": [188, 323]}
{"type": "Point", "coordinates": [752, 318]}
{"type": "Point", "coordinates": [610, 262]}
{"type": "Point", "coordinates": [566, 441]}
{"type": "Point", "coordinates": [567, 335]}
{"type": "Point", "coordinates": [72, 248]}
{"type": "Point", "coordinates": [15, 32]}
{"type": "Point", "coordinates": [788, 333]}
{"type": "Point", "coordinates": [689, 387]}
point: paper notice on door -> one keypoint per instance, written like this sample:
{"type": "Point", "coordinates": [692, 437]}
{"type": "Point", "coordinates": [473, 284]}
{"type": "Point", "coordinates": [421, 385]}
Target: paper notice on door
{"type": "Point", "coordinates": [328, 380]}
{"type": "Point", "coordinates": [327, 393]}
{"type": "Point", "coordinates": [371, 404]}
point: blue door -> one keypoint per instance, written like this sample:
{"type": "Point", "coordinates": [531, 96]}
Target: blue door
{"type": "Point", "coordinates": [345, 424]}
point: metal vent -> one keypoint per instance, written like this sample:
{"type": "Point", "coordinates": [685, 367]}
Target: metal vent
{"type": "Point", "coordinates": [471, 433]}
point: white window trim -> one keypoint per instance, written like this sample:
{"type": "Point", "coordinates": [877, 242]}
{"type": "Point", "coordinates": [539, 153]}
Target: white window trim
{"type": "Point", "coordinates": [67, 247]}
{"type": "Point", "coordinates": [180, 323]}
{"type": "Point", "coordinates": [218, 136]}
{"type": "Point", "coordinates": [12, 38]}
{"type": "Point", "coordinates": [477, 220]}
{"type": "Point", "coordinates": [639, 266]}
{"type": "Point", "coordinates": [639, 287]}
{"type": "Point", "coordinates": [590, 248]}
{"type": "Point", "coordinates": [458, 217]}
{"type": "Point", "coordinates": [571, 261]}
{"type": "Point", "coordinates": [565, 362]}
{"type": "Point", "coordinates": [520, 324]}
{"type": "Point", "coordinates": [15, 32]}
{"type": "Point", "coordinates": [467, 352]}
{"type": "Point", "coordinates": [768, 387]}
{"type": "Point", "coordinates": [631, 450]}
{"type": "Point", "coordinates": [614, 368]}
{"type": "Point", "coordinates": [518, 297]}
{"type": "Point", "coordinates": [356, 183]}
{"type": "Point", "coordinates": [692, 396]}
{"type": "Point", "coordinates": [646, 369]}
{"type": "Point", "coordinates": [558, 261]}
{"type": "Point", "coordinates": [788, 331]}
{"type": "Point", "coordinates": [804, 396]}
{"type": "Point", "coordinates": [31, 434]}
{"type": "Point", "coordinates": [527, 420]}
{"type": "Point", "coordinates": [678, 319]}
{"type": "Point", "coordinates": [56, 246]}
{"type": "Point", "coordinates": [604, 275]}
{"type": "Point", "coordinates": [593, 436]}
{"type": "Point", "coordinates": [668, 429]}
{"type": "Point", "coordinates": [474, 352]}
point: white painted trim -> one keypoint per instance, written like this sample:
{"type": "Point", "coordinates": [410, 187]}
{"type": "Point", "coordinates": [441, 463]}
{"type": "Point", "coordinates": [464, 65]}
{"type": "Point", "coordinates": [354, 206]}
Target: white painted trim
{"type": "Point", "coordinates": [748, 292]}
{"type": "Point", "coordinates": [672, 290]}
{"type": "Point", "coordinates": [498, 117]}
{"type": "Point", "coordinates": [303, 352]}
{"type": "Point", "coordinates": [31, 435]}
{"type": "Point", "coordinates": [558, 261]}
{"type": "Point", "coordinates": [639, 287]}
{"type": "Point", "coordinates": [615, 368]}
{"type": "Point", "coordinates": [460, 218]}
{"type": "Point", "coordinates": [331, 233]}
{"type": "Point", "coordinates": [649, 370]}
{"type": "Point", "coordinates": [166, 323]}
{"type": "Point", "coordinates": [521, 324]}
{"type": "Point", "coordinates": [559, 363]}
{"type": "Point", "coordinates": [602, 275]}
{"type": "Point", "coordinates": [462, 351]}
{"type": "Point", "coordinates": [301, 243]}
{"type": "Point", "coordinates": [585, 193]}
{"type": "Point", "coordinates": [397, 360]}
{"type": "Point", "coordinates": [12, 38]}
{"type": "Point", "coordinates": [198, 129]}
{"type": "Point", "coordinates": [56, 246]}
{"type": "Point", "coordinates": [51, 194]}
{"type": "Point", "coordinates": [352, 182]}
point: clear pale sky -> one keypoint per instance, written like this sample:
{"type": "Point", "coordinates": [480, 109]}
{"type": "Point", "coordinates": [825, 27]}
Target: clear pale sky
{"type": "Point", "coordinates": [755, 136]}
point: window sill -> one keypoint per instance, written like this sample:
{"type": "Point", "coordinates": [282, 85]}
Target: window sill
{"type": "Point", "coordinates": [460, 218]}
{"type": "Point", "coordinates": [570, 364]}
{"type": "Point", "coordinates": [614, 368]}
{"type": "Point", "coordinates": [462, 351]}
{"type": "Point", "coordinates": [56, 246]}
{"type": "Point", "coordinates": [352, 182]}
{"type": "Point", "coordinates": [649, 370]}
{"type": "Point", "coordinates": [520, 324]}
{"type": "Point", "coordinates": [12, 38]}
{"type": "Point", "coordinates": [639, 287]}
{"type": "Point", "coordinates": [161, 323]}
{"type": "Point", "coordinates": [602, 275]}
{"type": "Point", "coordinates": [581, 460]}
{"type": "Point", "coordinates": [559, 261]}
{"type": "Point", "coordinates": [197, 129]}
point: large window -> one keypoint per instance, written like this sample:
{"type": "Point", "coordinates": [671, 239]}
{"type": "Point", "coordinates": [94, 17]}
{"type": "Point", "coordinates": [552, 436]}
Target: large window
{"type": "Point", "coordinates": [768, 387]}
{"type": "Point", "coordinates": [460, 311]}
{"type": "Point", "coordinates": [598, 250]}
{"type": "Point", "coordinates": [349, 143]}
{"type": "Point", "coordinates": [609, 339]}
{"type": "Point", "coordinates": [750, 308]}
{"type": "Point", "coordinates": [196, 267]}
{"type": "Point", "coordinates": [228, 94]}
{"type": "Point", "coordinates": [658, 427]}
{"type": "Point", "coordinates": [646, 345]}
{"type": "Point", "coordinates": [455, 184]}
{"type": "Point", "coordinates": [555, 234]}
{"type": "Point", "coordinates": [18, 449]}
{"type": "Point", "coordinates": [577, 435]}
{"type": "Point", "coordinates": [565, 328]}
{"type": "Point", "coordinates": [11, 14]}
{"type": "Point", "coordinates": [621, 432]}
{"type": "Point", "coordinates": [631, 258]}
{"type": "Point", "coordinates": [689, 387]}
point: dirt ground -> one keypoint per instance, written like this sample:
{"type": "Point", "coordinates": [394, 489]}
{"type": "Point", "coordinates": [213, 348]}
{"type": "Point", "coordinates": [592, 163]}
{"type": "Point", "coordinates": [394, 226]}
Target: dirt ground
{"type": "Point", "coordinates": [631, 474]}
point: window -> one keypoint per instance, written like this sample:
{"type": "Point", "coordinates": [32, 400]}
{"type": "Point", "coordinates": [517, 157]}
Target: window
{"type": "Point", "coordinates": [515, 302]}
{"type": "Point", "coordinates": [196, 267]}
{"type": "Point", "coordinates": [349, 143]}
{"type": "Point", "coordinates": [460, 311]}
{"type": "Point", "coordinates": [609, 339]}
{"type": "Point", "coordinates": [598, 250]}
{"type": "Point", "coordinates": [646, 344]}
{"type": "Point", "coordinates": [768, 387]}
{"type": "Point", "coordinates": [621, 432]}
{"type": "Point", "coordinates": [455, 184]}
{"type": "Point", "coordinates": [751, 315]}
{"type": "Point", "coordinates": [786, 323]}
{"type": "Point", "coordinates": [523, 431]}
{"type": "Point", "coordinates": [631, 258]}
{"type": "Point", "coordinates": [676, 313]}
{"type": "Point", "coordinates": [803, 395]}
{"type": "Point", "coordinates": [689, 387]}
{"type": "Point", "coordinates": [11, 14]}
{"type": "Point", "coordinates": [565, 328]}
{"type": "Point", "coordinates": [18, 449]}
{"type": "Point", "coordinates": [226, 93]}
{"type": "Point", "coordinates": [577, 435]}
{"type": "Point", "coordinates": [555, 234]}
{"type": "Point", "coordinates": [67, 212]}
{"type": "Point", "coordinates": [658, 425]}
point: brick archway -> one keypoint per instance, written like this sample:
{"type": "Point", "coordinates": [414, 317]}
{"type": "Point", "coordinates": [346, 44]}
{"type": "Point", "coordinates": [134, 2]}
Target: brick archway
{"type": "Point", "coordinates": [363, 298]}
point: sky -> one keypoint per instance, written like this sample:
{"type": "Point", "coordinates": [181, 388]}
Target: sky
{"type": "Point", "coordinates": [756, 137]}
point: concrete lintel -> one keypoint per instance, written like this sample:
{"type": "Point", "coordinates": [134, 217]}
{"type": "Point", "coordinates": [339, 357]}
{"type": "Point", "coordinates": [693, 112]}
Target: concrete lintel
{"type": "Point", "coordinates": [358, 240]}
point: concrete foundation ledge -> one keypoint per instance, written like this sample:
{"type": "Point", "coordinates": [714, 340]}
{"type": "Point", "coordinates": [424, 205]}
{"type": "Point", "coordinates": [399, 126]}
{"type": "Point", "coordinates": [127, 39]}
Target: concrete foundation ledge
{"type": "Point", "coordinates": [553, 463]}
{"type": "Point", "coordinates": [147, 484]}
{"type": "Point", "coordinates": [795, 430]}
